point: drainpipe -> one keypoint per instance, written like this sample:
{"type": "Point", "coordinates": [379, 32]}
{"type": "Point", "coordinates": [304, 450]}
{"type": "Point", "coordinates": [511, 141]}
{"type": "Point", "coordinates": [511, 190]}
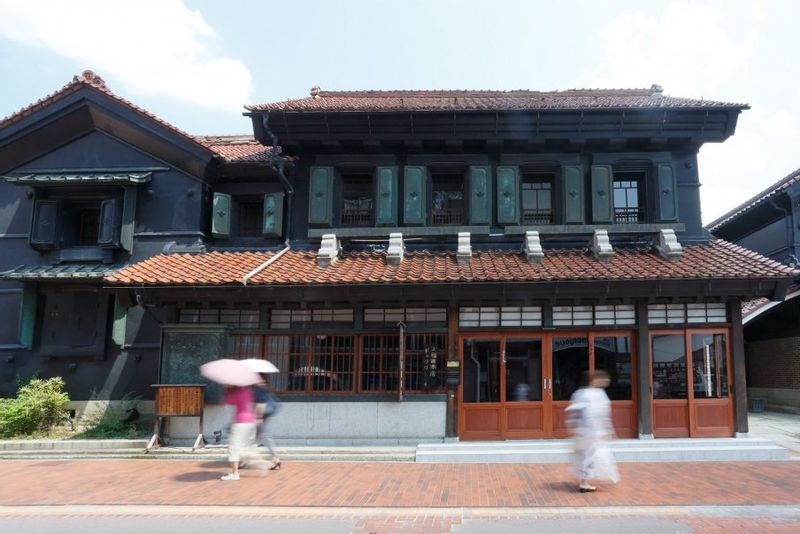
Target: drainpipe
{"type": "Point", "coordinates": [279, 164]}
{"type": "Point", "coordinates": [787, 217]}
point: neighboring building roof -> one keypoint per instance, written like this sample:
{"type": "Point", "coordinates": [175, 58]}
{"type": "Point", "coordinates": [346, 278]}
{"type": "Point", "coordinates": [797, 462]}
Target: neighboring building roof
{"type": "Point", "coordinates": [773, 190]}
{"type": "Point", "coordinates": [756, 307]}
{"type": "Point", "coordinates": [93, 178]}
{"type": "Point", "coordinates": [238, 148]}
{"type": "Point", "coordinates": [467, 100]}
{"type": "Point", "coordinates": [230, 148]}
{"type": "Point", "coordinates": [717, 259]}
{"type": "Point", "coordinates": [76, 271]}
{"type": "Point", "coordinates": [211, 268]}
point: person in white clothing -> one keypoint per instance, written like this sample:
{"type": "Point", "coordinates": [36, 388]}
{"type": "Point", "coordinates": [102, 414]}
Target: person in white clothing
{"type": "Point", "coordinates": [589, 417]}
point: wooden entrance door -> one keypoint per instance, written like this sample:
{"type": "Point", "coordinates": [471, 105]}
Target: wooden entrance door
{"type": "Point", "coordinates": [518, 386]}
{"type": "Point", "coordinates": [691, 394]}
{"type": "Point", "coordinates": [503, 391]}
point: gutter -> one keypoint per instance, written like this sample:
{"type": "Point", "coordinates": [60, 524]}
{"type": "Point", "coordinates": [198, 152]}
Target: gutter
{"type": "Point", "coordinates": [266, 264]}
{"type": "Point", "coordinates": [787, 217]}
{"type": "Point", "coordinates": [279, 164]}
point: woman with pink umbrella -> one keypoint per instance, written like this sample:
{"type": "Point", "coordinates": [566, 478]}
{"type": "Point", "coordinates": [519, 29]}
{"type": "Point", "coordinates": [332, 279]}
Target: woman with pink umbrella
{"type": "Point", "coordinates": [237, 378]}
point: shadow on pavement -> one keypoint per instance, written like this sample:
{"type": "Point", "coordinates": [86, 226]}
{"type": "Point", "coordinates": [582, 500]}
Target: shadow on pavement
{"type": "Point", "coordinates": [197, 476]}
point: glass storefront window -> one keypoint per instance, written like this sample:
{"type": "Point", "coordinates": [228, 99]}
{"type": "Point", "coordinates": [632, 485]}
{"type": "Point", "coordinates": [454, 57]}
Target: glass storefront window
{"type": "Point", "coordinates": [709, 366]}
{"type": "Point", "coordinates": [570, 361]}
{"type": "Point", "coordinates": [481, 370]}
{"type": "Point", "coordinates": [612, 354]}
{"type": "Point", "coordinates": [523, 370]}
{"type": "Point", "coordinates": [669, 367]}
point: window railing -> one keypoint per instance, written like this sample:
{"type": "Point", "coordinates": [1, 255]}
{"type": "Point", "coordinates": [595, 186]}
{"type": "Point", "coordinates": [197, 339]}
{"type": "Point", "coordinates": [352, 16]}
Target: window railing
{"type": "Point", "coordinates": [628, 215]}
{"type": "Point", "coordinates": [448, 216]}
{"type": "Point", "coordinates": [356, 217]}
{"type": "Point", "coordinates": [537, 216]}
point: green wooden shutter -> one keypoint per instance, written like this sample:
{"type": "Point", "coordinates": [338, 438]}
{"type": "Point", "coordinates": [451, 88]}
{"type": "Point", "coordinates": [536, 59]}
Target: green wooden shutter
{"type": "Point", "coordinates": [480, 194]}
{"type": "Point", "coordinates": [573, 194]}
{"type": "Point", "coordinates": [507, 195]}
{"type": "Point", "coordinates": [110, 223]}
{"type": "Point", "coordinates": [221, 216]}
{"type": "Point", "coordinates": [414, 194]}
{"type": "Point", "coordinates": [667, 193]}
{"type": "Point", "coordinates": [27, 315]}
{"type": "Point", "coordinates": [128, 218]}
{"type": "Point", "coordinates": [44, 229]}
{"type": "Point", "coordinates": [320, 196]}
{"type": "Point", "coordinates": [386, 196]}
{"type": "Point", "coordinates": [602, 194]}
{"type": "Point", "coordinates": [120, 323]}
{"type": "Point", "coordinates": [272, 220]}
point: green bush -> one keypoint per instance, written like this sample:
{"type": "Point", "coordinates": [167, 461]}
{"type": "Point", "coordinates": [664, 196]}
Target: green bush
{"type": "Point", "coordinates": [111, 422]}
{"type": "Point", "coordinates": [38, 406]}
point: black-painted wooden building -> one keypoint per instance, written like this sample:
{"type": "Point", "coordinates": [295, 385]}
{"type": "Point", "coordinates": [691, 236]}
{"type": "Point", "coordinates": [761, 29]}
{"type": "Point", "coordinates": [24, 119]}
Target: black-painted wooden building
{"type": "Point", "coordinates": [769, 223]}
{"type": "Point", "coordinates": [418, 264]}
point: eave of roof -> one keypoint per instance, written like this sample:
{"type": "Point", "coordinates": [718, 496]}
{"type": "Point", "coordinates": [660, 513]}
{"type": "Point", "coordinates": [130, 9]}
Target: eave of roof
{"type": "Point", "coordinates": [88, 178]}
{"type": "Point", "coordinates": [66, 271]}
{"type": "Point", "coordinates": [716, 260]}
{"type": "Point", "coordinates": [468, 100]}
{"type": "Point", "coordinates": [756, 200]}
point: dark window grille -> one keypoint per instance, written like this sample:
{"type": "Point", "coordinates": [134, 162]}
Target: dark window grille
{"type": "Point", "coordinates": [448, 200]}
{"type": "Point", "coordinates": [357, 200]}
{"type": "Point", "coordinates": [234, 317]}
{"type": "Point", "coordinates": [537, 200]}
{"type": "Point", "coordinates": [627, 205]}
{"type": "Point", "coordinates": [327, 363]}
{"type": "Point", "coordinates": [250, 218]}
{"type": "Point", "coordinates": [88, 226]}
{"type": "Point", "coordinates": [389, 317]}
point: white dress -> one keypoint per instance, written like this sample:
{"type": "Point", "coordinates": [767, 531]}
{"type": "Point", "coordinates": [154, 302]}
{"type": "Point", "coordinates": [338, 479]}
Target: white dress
{"type": "Point", "coordinates": [589, 416]}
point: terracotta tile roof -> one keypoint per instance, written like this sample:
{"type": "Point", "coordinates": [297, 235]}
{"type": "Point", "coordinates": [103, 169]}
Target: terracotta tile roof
{"type": "Point", "coordinates": [237, 148]}
{"type": "Point", "coordinates": [94, 82]}
{"type": "Point", "coordinates": [773, 190]}
{"type": "Point", "coordinates": [467, 100]}
{"type": "Point", "coordinates": [208, 269]}
{"type": "Point", "coordinates": [754, 307]}
{"type": "Point", "coordinates": [718, 259]}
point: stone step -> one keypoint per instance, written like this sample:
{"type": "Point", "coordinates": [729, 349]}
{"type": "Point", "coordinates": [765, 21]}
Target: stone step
{"type": "Point", "coordinates": [551, 444]}
{"type": "Point", "coordinates": [71, 444]}
{"type": "Point", "coordinates": [644, 453]}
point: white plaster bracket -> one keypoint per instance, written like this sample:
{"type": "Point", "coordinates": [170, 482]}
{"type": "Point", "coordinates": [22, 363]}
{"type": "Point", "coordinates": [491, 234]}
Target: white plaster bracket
{"type": "Point", "coordinates": [329, 250]}
{"type": "Point", "coordinates": [601, 246]}
{"type": "Point", "coordinates": [396, 250]}
{"type": "Point", "coordinates": [532, 247]}
{"type": "Point", "coordinates": [667, 245]}
{"type": "Point", "coordinates": [464, 252]}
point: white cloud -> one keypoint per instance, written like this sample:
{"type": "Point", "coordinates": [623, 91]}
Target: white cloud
{"type": "Point", "coordinates": [153, 46]}
{"type": "Point", "coordinates": [693, 50]}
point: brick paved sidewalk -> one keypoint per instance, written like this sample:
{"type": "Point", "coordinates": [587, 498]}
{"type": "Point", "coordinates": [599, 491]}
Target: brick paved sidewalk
{"type": "Point", "coordinates": [149, 482]}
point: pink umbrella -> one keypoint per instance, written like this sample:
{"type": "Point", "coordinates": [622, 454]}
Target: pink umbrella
{"type": "Point", "coordinates": [229, 372]}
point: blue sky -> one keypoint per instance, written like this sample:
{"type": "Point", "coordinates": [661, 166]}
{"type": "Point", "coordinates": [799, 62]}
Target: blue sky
{"type": "Point", "coordinates": [195, 63]}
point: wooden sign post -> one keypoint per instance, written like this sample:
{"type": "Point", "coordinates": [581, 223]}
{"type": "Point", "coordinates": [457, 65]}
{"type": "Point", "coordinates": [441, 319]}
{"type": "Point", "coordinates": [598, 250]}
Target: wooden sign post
{"type": "Point", "coordinates": [177, 400]}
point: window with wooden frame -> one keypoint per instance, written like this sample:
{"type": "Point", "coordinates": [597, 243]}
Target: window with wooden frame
{"type": "Point", "coordinates": [358, 199]}
{"type": "Point", "coordinates": [447, 198]}
{"type": "Point", "coordinates": [537, 198]}
{"type": "Point", "coordinates": [250, 217]}
{"type": "Point", "coordinates": [87, 224]}
{"type": "Point", "coordinates": [628, 193]}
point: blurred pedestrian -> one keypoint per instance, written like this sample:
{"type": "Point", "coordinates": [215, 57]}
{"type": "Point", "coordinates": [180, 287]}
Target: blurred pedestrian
{"type": "Point", "coordinates": [267, 405]}
{"type": "Point", "coordinates": [589, 417]}
{"type": "Point", "coordinates": [241, 444]}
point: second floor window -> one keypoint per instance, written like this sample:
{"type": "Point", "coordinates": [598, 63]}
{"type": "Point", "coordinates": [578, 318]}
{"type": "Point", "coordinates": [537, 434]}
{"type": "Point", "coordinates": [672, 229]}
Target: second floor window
{"type": "Point", "coordinates": [537, 199]}
{"type": "Point", "coordinates": [250, 215]}
{"type": "Point", "coordinates": [357, 200]}
{"type": "Point", "coordinates": [88, 225]}
{"type": "Point", "coordinates": [448, 199]}
{"type": "Point", "coordinates": [628, 205]}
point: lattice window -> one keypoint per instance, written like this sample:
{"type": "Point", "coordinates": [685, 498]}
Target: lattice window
{"type": "Point", "coordinates": [500, 316]}
{"type": "Point", "coordinates": [237, 318]}
{"type": "Point", "coordinates": [712, 312]}
{"type": "Point", "coordinates": [310, 318]}
{"type": "Point", "coordinates": [621, 314]}
{"type": "Point", "coordinates": [424, 368]}
{"type": "Point", "coordinates": [537, 199]}
{"type": "Point", "coordinates": [251, 213]}
{"type": "Point", "coordinates": [627, 199]}
{"type": "Point", "coordinates": [389, 317]}
{"type": "Point", "coordinates": [448, 199]}
{"type": "Point", "coordinates": [357, 200]}
{"type": "Point", "coordinates": [572, 315]}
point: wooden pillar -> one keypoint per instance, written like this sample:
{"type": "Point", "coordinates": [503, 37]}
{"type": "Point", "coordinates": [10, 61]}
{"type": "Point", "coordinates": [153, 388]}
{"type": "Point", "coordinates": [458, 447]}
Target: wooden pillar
{"type": "Point", "coordinates": [644, 390]}
{"type": "Point", "coordinates": [451, 430]}
{"type": "Point", "coordinates": [739, 369]}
